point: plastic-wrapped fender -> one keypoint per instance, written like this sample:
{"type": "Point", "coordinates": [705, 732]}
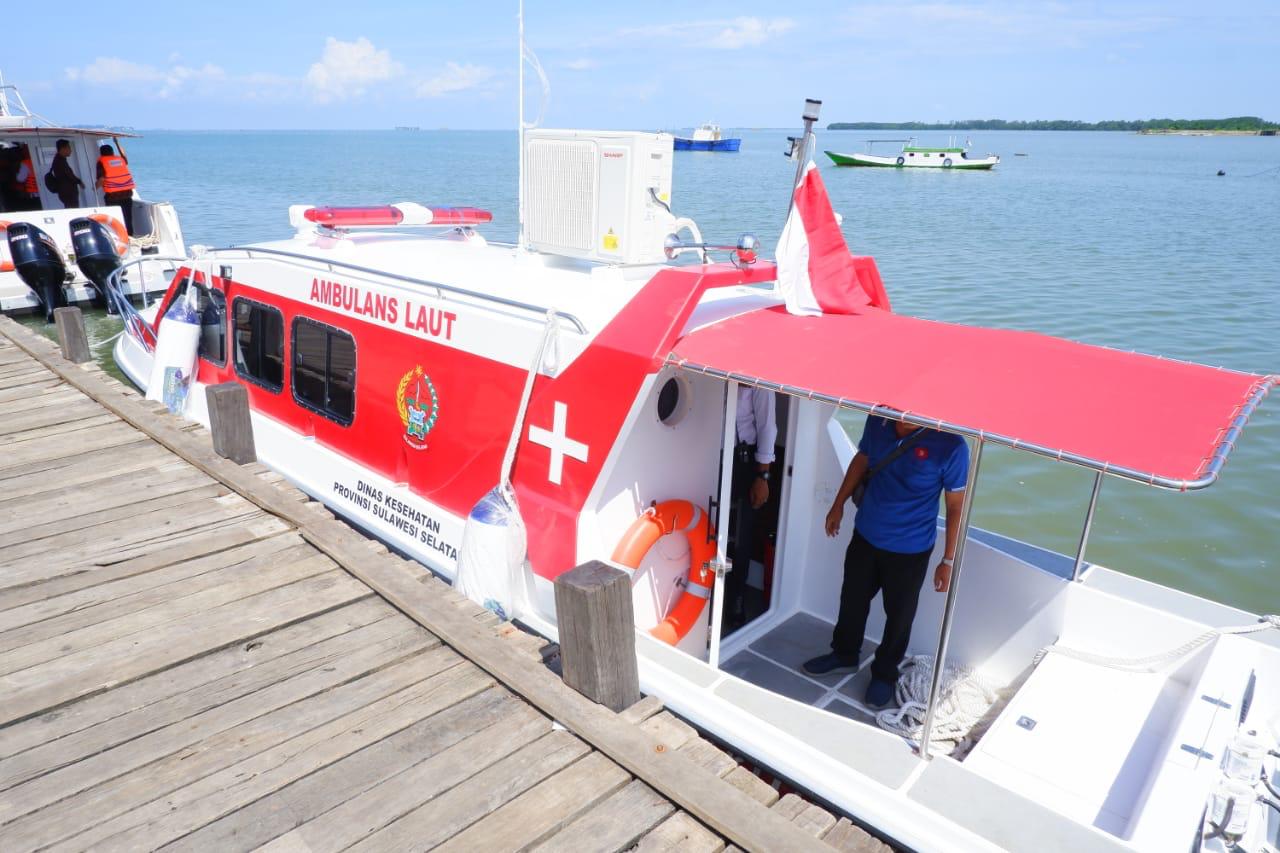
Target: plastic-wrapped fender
{"type": "Point", "coordinates": [491, 559]}
{"type": "Point", "coordinates": [175, 357]}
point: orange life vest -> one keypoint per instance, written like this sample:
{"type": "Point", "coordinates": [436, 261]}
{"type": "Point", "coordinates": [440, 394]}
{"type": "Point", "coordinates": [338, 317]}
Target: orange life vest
{"type": "Point", "coordinates": [29, 184]}
{"type": "Point", "coordinates": [115, 175]}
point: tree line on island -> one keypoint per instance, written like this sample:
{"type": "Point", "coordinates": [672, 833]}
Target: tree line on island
{"type": "Point", "coordinates": [1237, 123]}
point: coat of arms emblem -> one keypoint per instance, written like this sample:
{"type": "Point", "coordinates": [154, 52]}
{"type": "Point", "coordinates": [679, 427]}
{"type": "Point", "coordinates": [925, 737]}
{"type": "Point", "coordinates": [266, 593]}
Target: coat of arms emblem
{"type": "Point", "coordinates": [418, 405]}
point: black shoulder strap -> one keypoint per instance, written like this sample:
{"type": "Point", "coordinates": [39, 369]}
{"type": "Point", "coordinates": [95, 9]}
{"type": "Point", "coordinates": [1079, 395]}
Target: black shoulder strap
{"type": "Point", "coordinates": [897, 451]}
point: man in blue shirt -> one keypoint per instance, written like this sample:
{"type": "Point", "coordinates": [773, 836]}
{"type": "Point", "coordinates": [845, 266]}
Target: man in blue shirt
{"type": "Point", "coordinates": [895, 529]}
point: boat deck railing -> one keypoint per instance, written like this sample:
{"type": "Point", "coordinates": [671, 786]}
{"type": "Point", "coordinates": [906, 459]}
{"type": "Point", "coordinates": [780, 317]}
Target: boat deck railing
{"type": "Point", "coordinates": [281, 256]}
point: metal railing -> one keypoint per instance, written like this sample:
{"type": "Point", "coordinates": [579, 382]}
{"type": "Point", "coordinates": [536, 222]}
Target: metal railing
{"type": "Point", "coordinates": [538, 312]}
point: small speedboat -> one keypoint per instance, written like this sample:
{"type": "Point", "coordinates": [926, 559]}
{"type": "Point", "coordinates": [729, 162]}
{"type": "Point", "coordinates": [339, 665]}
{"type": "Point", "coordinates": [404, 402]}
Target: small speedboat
{"type": "Point", "coordinates": [708, 137]}
{"type": "Point", "coordinates": [27, 141]}
{"type": "Point", "coordinates": [913, 156]}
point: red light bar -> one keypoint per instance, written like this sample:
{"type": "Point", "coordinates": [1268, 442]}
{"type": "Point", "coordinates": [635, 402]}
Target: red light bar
{"type": "Point", "coordinates": [337, 217]}
{"type": "Point", "coordinates": [404, 213]}
{"type": "Point", "coordinates": [459, 216]}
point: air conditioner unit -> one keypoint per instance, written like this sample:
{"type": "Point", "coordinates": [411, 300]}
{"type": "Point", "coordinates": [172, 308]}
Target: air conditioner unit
{"type": "Point", "coordinates": [587, 194]}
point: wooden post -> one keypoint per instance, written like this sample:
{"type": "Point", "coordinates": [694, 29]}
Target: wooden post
{"type": "Point", "coordinates": [597, 634]}
{"type": "Point", "coordinates": [75, 343]}
{"type": "Point", "coordinates": [229, 422]}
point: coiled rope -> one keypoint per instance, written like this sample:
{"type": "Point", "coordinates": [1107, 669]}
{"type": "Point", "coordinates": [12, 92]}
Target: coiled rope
{"type": "Point", "coordinates": [966, 697]}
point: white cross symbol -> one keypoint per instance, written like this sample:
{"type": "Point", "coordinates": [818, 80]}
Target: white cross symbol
{"type": "Point", "coordinates": [558, 441]}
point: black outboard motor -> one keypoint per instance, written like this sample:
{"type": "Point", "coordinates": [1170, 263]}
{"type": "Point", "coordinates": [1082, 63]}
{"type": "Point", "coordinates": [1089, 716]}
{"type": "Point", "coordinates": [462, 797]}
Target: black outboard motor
{"type": "Point", "coordinates": [39, 264]}
{"type": "Point", "coordinates": [97, 256]}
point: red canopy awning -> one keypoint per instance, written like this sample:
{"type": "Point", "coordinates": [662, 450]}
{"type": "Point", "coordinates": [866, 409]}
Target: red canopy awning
{"type": "Point", "coordinates": [1168, 423]}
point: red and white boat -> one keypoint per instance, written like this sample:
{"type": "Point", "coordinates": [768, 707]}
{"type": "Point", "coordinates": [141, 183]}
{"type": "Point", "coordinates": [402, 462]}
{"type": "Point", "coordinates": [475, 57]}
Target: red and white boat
{"type": "Point", "coordinates": [386, 352]}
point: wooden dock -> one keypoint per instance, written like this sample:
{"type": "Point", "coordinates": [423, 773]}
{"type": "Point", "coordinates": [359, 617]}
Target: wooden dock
{"type": "Point", "coordinates": [194, 656]}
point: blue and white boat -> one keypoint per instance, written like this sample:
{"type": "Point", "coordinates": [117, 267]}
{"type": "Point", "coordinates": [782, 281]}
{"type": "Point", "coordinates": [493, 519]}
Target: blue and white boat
{"type": "Point", "coordinates": [707, 137]}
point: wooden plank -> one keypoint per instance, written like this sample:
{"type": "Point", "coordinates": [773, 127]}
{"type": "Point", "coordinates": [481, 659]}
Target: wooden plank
{"type": "Point", "coordinates": [475, 732]}
{"type": "Point", "coordinates": [642, 710]}
{"type": "Point", "coordinates": [193, 805]}
{"type": "Point", "coordinates": [101, 721]}
{"type": "Point", "coordinates": [23, 377]}
{"type": "Point", "coordinates": [723, 807]}
{"type": "Point", "coordinates": [544, 809]}
{"type": "Point", "coordinates": [129, 489]}
{"type": "Point", "coordinates": [39, 689]}
{"type": "Point", "coordinates": [25, 438]}
{"type": "Point", "coordinates": [96, 437]}
{"type": "Point", "coordinates": [122, 591]}
{"type": "Point", "coordinates": [752, 785]}
{"type": "Point", "coordinates": [812, 819]}
{"type": "Point", "coordinates": [76, 460]}
{"type": "Point", "coordinates": [220, 587]}
{"type": "Point", "coordinates": [75, 410]}
{"type": "Point", "coordinates": [21, 392]}
{"type": "Point", "coordinates": [184, 598]}
{"type": "Point", "coordinates": [57, 395]}
{"type": "Point", "coordinates": [615, 824]}
{"type": "Point", "coordinates": [708, 756]}
{"type": "Point", "coordinates": [851, 838]}
{"type": "Point", "coordinates": [462, 805]}
{"type": "Point", "coordinates": [21, 586]}
{"type": "Point", "coordinates": [680, 833]}
{"type": "Point", "coordinates": [114, 528]}
{"type": "Point", "coordinates": [38, 814]}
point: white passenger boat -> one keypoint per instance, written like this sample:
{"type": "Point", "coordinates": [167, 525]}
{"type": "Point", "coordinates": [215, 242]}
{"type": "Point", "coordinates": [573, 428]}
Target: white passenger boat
{"type": "Point", "coordinates": [913, 156]}
{"type": "Point", "coordinates": [24, 135]}
{"type": "Point", "coordinates": [400, 367]}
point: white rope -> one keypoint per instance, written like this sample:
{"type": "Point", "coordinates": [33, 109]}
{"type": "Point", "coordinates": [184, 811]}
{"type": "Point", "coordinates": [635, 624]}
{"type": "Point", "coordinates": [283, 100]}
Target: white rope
{"type": "Point", "coordinates": [1157, 662]}
{"type": "Point", "coordinates": [965, 698]}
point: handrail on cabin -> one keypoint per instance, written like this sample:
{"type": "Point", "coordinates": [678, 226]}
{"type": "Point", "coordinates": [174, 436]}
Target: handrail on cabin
{"type": "Point", "coordinates": [539, 310]}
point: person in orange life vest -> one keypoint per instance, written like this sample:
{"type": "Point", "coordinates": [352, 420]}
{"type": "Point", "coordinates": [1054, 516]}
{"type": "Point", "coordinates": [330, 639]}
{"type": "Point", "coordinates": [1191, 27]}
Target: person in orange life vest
{"type": "Point", "coordinates": [116, 182]}
{"type": "Point", "coordinates": [25, 190]}
{"type": "Point", "coordinates": [68, 184]}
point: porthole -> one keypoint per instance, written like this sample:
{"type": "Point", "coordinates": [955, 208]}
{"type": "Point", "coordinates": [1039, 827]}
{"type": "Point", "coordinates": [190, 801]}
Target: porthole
{"type": "Point", "coordinates": [673, 400]}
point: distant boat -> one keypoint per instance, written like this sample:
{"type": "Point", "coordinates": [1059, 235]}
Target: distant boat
{"type": "Point", "coordinates": [407, 127]}
{"type": "Point", "coordinates": [913, 156]}
{"type": "Point", "coordinates": [707, 137]}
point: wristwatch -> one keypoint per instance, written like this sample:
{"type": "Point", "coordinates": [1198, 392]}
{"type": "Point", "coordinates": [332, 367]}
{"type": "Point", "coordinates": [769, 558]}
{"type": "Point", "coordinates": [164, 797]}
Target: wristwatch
{"type": "Point", "coordinates": [948, 561]}
{"type": "Point", "coordinates": [763, 475]}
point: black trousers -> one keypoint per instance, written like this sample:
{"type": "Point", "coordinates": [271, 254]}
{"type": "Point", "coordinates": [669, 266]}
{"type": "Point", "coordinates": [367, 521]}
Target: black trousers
{"type": "Point", "coordinates": [125, 200]}
{"type": "Point", "coordinates": [742, 520]}
{"type": "Point", "coordinates": [898, 577]}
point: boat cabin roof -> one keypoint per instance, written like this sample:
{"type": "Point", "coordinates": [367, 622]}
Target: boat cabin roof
{"type": "Point", "coordinates": [1162, 422]}
{"type": "Point", "coordinates": [23, 133]}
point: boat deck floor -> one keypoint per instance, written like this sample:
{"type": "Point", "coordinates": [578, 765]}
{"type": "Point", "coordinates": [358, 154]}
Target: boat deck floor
{"type": "Point", "coordinates": [773, 661]}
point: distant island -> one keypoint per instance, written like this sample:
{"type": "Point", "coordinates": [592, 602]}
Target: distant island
{"type": "Point", "coordinates": [1237, 125]}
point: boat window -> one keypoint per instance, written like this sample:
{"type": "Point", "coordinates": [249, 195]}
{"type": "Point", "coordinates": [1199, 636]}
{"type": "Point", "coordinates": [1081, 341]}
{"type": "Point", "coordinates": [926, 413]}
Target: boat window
{"type": "Point", "coordinates": [259, 342]}
{"type": "Point", "coordinates": [212, 306]}
{"type": "Point", "coordinates": [324, 370]}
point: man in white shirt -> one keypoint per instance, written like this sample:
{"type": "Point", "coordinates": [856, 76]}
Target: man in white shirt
{"type": "Point", "coordinates": [757, 436]}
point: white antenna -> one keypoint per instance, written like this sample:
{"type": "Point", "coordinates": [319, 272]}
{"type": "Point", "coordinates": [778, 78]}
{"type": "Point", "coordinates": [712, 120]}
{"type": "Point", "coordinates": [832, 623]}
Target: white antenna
{"type": "Point", "coordinates": [520, 241]}
{"type": "Point", "coordinates": [4, 97]}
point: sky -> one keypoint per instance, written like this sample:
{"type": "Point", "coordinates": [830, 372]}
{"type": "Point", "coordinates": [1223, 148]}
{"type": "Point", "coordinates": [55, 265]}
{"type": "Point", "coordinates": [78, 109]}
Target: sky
{"type": "Point", "coordinates": [644, 66]}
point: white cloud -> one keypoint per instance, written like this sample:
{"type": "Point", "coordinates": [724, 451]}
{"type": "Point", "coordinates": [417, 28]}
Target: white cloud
{"type": "Point", "coordinates": [749, 32]}
{"type": "Point", "coordinates": [149, 79]}
{"type": "Point", "coordinates": [347, 68]}
{"type": "Point", "coordinates": [722, 34]}
{"type": "Point", "coordinates": [454, 78]}
{"type": "Point", "coordinates": [582, 64]}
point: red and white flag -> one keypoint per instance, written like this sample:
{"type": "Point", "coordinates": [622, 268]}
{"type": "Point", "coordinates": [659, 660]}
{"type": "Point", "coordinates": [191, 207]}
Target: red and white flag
{"type": "Point", "coordinates": [816, 273]}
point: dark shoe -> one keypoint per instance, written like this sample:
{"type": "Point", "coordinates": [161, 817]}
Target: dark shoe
{"type": "Point", "coordinates": [879, 693]}
{"type": "Point", "coordinates": [829, 664]}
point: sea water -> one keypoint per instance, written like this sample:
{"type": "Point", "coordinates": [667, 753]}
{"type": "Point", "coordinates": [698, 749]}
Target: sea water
{"type": "Point", "coordinates": [1115, 239]}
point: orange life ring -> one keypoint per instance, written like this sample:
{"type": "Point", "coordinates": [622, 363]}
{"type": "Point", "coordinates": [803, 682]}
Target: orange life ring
{"type": "Point", "coordinates": [122, 236]}
{"type": "Point", "coordinates": [656, 522]}
{"type": "Point", "coordinates": [6, 263]}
